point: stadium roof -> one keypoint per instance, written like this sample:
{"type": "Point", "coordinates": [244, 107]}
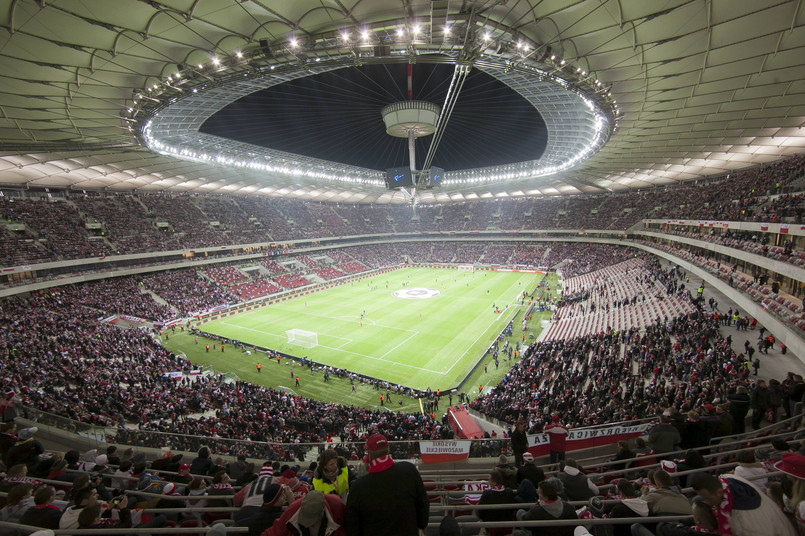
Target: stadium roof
{"type": "Point", "coordinates": [633, 93]}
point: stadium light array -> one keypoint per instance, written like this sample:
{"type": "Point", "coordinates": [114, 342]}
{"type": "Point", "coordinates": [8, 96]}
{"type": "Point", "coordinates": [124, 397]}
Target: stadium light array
{"type": "Point", "coordinates": [513, 52]}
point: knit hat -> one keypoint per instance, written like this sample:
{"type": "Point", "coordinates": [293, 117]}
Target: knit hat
{"type": "Point", "coordinates": [266, 470]}
{"type": "Point", "coordinates": [555, 418]}
{"type": "Point", "coordinates": [27, 433]}
{"type": "Point", "coordinates": [792, 464]}
{"type": "Point", "coordinates": [184, 467]}
{"type": "Point", "coordinates": [376, 442]}
{"type": "Point", "coordinates": [169, 489]}
{"type": "Point", "coordinates": [528, 457]}
{"type": "Point", "coordinates": [272, 495]}
{"type": "Point", "coordinates": [311, 509]}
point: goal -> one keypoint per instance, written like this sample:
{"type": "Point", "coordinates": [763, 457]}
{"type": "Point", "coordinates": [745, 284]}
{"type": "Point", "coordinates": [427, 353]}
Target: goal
{"type": "Point", "coordinates": [465, 267]}
{"type": "Point", "coordinates": [300, 337]}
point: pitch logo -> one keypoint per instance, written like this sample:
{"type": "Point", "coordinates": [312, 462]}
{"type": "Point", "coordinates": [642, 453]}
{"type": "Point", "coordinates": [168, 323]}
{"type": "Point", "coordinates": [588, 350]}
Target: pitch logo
{"type": "Point", "coordinates": [416, 293]}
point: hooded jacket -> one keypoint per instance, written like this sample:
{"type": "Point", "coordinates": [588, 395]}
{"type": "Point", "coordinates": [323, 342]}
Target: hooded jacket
{"type": "Point", "coordinates": [288, 523]}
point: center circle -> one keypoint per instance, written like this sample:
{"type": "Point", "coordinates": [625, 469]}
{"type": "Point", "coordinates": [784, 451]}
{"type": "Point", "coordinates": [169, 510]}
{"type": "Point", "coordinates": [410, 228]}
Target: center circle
{"type": "Point", "coordinates": [417, 293]}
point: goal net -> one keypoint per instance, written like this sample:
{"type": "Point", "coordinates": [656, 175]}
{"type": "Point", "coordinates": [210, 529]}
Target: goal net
{"type": "Point", "coordinates": [300, 337]}
{"type": "Point", "coordinates": [465, 267]}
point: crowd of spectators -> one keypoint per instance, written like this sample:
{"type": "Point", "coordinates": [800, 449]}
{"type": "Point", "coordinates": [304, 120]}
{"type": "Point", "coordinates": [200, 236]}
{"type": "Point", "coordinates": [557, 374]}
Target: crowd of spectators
{"type": "Point", "coordinates": [188, 292]}
{"type": "Point", "coordinates": [610, 376]}
{"type": "Point", "coordinates": [121, 295]}
{"type": "Point", "coordinates": [130, 224]}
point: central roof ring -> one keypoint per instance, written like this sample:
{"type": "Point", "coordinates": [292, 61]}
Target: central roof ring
{"type": "Point", "coordinates": [579, 117]}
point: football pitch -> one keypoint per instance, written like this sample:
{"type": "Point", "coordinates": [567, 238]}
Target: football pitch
{"type": "Point", "coordinates": [417, 327]}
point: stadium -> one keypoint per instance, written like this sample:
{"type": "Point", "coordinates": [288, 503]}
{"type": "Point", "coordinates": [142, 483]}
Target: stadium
{"type": "Point", "coordinates": [269, 230]}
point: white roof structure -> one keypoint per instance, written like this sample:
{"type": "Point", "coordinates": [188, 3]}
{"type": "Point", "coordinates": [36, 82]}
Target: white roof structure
{"type": "Point", "coordinates": [676, 89]}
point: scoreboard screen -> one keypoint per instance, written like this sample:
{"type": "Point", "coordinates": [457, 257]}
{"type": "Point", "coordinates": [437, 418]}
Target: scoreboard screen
{"type": "Point", "coordinates": [436, 176]}
{"type": "Point", "coordinates": [399, 177]}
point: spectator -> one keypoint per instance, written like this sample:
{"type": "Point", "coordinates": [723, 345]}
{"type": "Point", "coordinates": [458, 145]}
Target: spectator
{"type": "Point", "coordinates": [26, 450]}
{"type": "Point", "coordinates": [519, 441]}
{"type": "Point", "coordinates": [760, 401]}
{"type": "Point", "coordinates": [313, 514]}
{"type": "Point", "coordinates": [390, 499]}
{"type": "Point", "coordinates": [275, 497]}
{"type": "Point", "coordinates": [664, 437]}
{"type": "Point", "coordinates": [557, 435]}
{"type": "Point", "coordinates": [740, 508]}
{"type": "Point", "coordinates": [16, 503]}
{"type": "Point", "coordinates": [665, 498]}
{"type": "Point", "coordinates": [695, 434]}
{"type": "Point", "coordinates": [507, 471]}
{"type": "Point", "coordinates": [44, 513]}
{"type": "Point", "coordinates": [704, 524]}
{"type": "Point", "coordinates": [530, 470]}
{"type": "Point", "coordinates": [630, 506]}
{"type": "Point", "coordinates": [84, 497]}
{"type": "Point", "coordinates": [577, 486]}
{"type": "Point", "coordinates": [238, 468]}
{"type": "Point", "coordinates": [497, 493]}
{"type": "Point", "coordinates": [623, 456]}
{"type": "Point", "coordinates": [724, 427]}
{"type": "Point", "coordinates": [8, 437]}
{"type": "Point", "coordinates": [550, 507]}
{"type": "Point", "coordinates": [332, 474]}
{"type": "Point", "coordinates": [202, 463]}
{"type": "Point", "coordinates": [739, 404]}
{"type": "Point", "coordinates": [794, 466]}
{"type": "Point", "coordinates": [750, 469]}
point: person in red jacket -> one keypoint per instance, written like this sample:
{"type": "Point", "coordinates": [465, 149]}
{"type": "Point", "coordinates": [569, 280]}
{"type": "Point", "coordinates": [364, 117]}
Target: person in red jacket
{"type": "Point", "coordinates": [557, 433]}
{"type": "Point", "coordinates": [315, 514]}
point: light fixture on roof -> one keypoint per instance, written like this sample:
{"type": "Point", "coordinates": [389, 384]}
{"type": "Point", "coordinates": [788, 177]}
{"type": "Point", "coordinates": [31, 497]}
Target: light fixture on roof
{"type": "Point", "coordinates": [365, 35]}
{"type": "Point", "coordinates": [293, 42]}
{"type": "Point", "coordinates": [239, 54]}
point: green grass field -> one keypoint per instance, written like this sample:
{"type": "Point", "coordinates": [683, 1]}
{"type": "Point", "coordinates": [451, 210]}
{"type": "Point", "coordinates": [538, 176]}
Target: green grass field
{"type": "Point", "coordinates": [392, 341]}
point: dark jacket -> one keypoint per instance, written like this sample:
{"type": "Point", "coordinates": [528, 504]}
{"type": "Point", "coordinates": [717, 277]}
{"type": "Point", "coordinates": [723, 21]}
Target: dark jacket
{"type": "Point", "coordinates": [761, 398]}
{"type": "Point", "coordinates": [663, 437]}
{"type": "Point", "coordinates": [391, 502]}
{"type": "Point", "coordinates": [26, 452]}
{"type": "Point", "coordinates": [44, 516]}
{"type": "Point", "coordinates": [695, 435]}
{"type": "Point", "coordinates": [576, 486]}
{"type": "Point", "coordinates": [493, 496]}
{"type": "Point", "coordinates": [739, 405]}
{"type": "Point", "coordinates": [540, 512]}
{"type": "Point", "coordinates": [519, 441]}
{"type": "Point", "coordinates": [531, 472]}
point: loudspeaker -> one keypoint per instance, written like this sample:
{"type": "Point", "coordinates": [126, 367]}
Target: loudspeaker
{"type": "Point", "coordinates": [265, 47]}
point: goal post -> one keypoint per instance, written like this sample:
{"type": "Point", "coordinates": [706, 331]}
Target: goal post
{"type": "Point", "coordinates": [303, 338]}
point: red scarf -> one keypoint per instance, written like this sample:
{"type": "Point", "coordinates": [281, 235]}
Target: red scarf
{"type": "Point", "coordinates": [380, 464]}
{"type": "Point", "coordinates": [724, 510]}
